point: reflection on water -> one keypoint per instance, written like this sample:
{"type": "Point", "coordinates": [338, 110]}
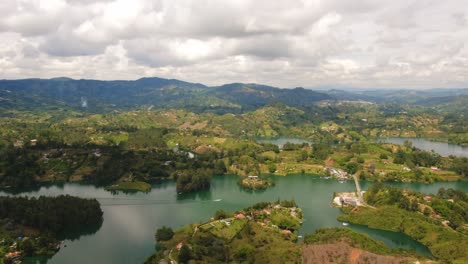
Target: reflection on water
{"type": "Point", "coordinates": [443, 149]}
{"type": "Point", "coordinates": [393, 239]}
{"type": "Point", "coordinates": [130, 220]}
{"type": "Point", "coordinates": [280, 141]}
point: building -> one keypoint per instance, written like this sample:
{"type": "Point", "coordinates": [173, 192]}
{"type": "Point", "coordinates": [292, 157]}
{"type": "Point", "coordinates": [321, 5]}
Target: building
{"type": "Point", "coordinates": [13, 256]}
{"type": "Point", "coordinates": [239, 216]}
{"type": "Point", "coordinates": [18, 144]}
{"type": "Point", "coordinates": [253, 177]}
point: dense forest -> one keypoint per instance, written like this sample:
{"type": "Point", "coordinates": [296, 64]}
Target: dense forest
{"type": "Point", "coordinates": [53, 214]}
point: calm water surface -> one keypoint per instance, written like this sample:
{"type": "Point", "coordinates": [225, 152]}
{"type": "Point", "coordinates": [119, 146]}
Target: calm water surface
{"type": "Point", "coordinates": [442, 148]}
{"type": "Point", "coordinates": [130, 220]}
{"type": "Point", "coordinates": [280, 141]}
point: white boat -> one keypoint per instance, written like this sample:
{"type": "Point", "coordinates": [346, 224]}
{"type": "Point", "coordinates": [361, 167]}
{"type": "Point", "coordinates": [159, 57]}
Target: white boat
{"type": "Point", "coordinates": [217, 200]}
{"type": "Point", "coordinates": [345, 224]}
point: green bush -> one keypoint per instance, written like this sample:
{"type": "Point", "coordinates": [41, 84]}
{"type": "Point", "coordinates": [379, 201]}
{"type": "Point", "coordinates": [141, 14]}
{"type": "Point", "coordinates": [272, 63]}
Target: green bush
{"type": "Point", "coordinates": [164, 234]}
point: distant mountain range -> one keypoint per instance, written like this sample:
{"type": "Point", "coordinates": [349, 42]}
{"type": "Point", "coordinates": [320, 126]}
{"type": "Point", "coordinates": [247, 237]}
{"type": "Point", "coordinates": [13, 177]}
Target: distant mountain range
{"type": "Point", "coordinates": [97, 95]}
{"type": "Point", "coordinates": [158, 92]}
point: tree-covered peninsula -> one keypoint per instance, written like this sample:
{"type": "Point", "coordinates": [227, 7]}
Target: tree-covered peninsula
{"type": "Point", "coordinates": [31, 226]}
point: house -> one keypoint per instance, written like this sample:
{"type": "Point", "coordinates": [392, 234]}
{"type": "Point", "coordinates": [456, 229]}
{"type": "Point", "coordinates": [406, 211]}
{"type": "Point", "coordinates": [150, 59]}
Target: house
{"type": "Point", "coordinates": [350, 201]}
{"type": "Point", "coordinates": [33, 142]}
{"type": "Point", "coordinates": [97, 153]}
{"type": "Point", "coordinates": [179, 246]}
{"type": "Point", "coordinates": [18, 144]}
{"type": "Point", "coordinates": [12, 256]}
{"type": "Point", "coordinates": [239, 216]}
{"type": "Point", "coordinates": [253, 177]}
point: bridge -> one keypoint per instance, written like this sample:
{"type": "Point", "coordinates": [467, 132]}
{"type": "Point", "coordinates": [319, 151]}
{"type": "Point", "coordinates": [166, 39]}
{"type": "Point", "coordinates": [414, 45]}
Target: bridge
{"type": "Point", "coordinates": [358, 190]}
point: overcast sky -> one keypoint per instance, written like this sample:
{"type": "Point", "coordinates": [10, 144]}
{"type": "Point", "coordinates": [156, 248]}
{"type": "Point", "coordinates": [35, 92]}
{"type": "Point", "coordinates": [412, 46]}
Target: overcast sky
{"type": "Point", "coordinates": [367, 44]}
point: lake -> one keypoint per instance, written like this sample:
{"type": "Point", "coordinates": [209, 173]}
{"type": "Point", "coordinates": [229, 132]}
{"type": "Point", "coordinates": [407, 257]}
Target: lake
{"type": "Point", "coordinates": [130, 220]}
{"type": "Point", "coordinates": [442, 148]}
{"type": "Point", "coordinates": [280, 141]}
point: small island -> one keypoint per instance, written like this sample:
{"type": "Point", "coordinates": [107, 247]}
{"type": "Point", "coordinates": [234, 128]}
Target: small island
{"type": "Point", "coordinates": [255, 182]}
{"type": "Point", "coordinates": [133, 186]}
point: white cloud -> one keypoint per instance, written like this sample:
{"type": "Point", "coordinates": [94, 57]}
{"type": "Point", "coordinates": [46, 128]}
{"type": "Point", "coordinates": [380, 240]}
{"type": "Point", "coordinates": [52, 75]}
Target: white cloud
{"type": "Point", "coordinates": [286, 43]}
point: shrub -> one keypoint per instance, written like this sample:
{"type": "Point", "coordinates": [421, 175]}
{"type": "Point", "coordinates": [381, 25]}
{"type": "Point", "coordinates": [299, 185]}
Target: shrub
{"type": "Point", "coordinates": [164, 233]}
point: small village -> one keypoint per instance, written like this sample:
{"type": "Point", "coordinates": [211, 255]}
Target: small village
{"type": "Point", "coordinates": [281, 218]}
{"type": "Point", "coordinates": [339, 174]}
{"type": "Point", "coordinates": [16, 248]}
{"type": "Point", "coordinates": [284, 217]}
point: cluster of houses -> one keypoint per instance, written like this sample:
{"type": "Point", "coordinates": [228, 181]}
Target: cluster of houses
{"type": "Point", "coordinates": [337, 173]}
{"type": "Point", "coordinates": [13, 256]}
{"type": "Point", "coordinates": [264, 220]}
{"type": "Point", "coordinates": [346, 199]}
{"type": "Point", "coordinates": [189, 154]}
{"type": "Point", "coordinates": [20, 143]}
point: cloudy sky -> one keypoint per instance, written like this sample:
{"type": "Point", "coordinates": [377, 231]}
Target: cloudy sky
{"type": "Point", "coordinates": [286, 43]}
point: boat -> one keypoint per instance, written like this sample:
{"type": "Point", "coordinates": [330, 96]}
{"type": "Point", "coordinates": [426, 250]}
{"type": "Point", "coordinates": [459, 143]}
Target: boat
{"type": "Point", "coordinates": [217, 200]}
{"type": "Point", "coordinates": [345, 224]}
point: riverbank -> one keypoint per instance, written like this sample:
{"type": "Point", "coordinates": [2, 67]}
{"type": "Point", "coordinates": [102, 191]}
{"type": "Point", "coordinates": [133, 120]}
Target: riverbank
{"type": "Point", "coordinates": [443, 243]}
{"type": "Point", "coordinates": [32, 226]}
{"type": "Point", "coordinates": [347, 246]}
{"type": "Point", "coordinates": [431, 220]}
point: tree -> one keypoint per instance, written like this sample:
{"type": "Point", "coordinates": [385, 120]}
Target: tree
{"type": "Point", "coordinates": [221, 214]}
{"type": "Point", "coordinates": [28, 247]}
{"type": "Point", "coordinates": [321, 151]}
{"type": "Point", "coordinates": [220, 167]}
{"type": "Point", "coordinates": [352, 167]}
{"type": "Point", "coordinates": [164, 233]}
{"type": "Point", "coordinates": [427, 211]}
{"type": "Point", "coordinates": [244, 252]}
{"type": "Point", "coordinates": [184, 254]}
{"type": "Point", "coordinates": [272, 167]}
{"type": "Point", "coordinates": [400, 157]}
{"type": "Point", "coordinates": [303, 155]}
